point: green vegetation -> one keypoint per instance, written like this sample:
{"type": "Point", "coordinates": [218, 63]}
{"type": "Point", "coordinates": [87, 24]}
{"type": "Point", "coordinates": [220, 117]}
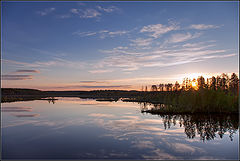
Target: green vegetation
{"type": "Point", "coordinates": [18, 94]}
{"type": "Point", "coordinates": [12, 94]}
{"type": "Point", "coordinates": [216, 95]}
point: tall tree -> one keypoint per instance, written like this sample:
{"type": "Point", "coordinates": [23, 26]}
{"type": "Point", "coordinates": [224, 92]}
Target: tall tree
{"type": "Point", "coordinates": [154, 88]}
{"type": "Point", "coordinates": [187, 83]}
{"type": "Point", "coordinates": [201, 82]}
{"type": "Point", "coordinates": [218, 82]}
{"type": "Point", "coordinates": [170, 86]}
{"type": "Point", "coordinates": [213, 83]}
{"type": "Point", "coordinates": [224, 81]}
{"type": "Point", "coordinates": [161, 86]}
{"type": "Point", "coordinates": [234, 84]}
{"type": "Point", "coordinates": [177, 86]}
{"type": "Point", "coordinates": [166, 87]}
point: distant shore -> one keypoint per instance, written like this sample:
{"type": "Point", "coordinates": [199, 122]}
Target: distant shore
{"type": "Point", "coordinates": [176, 102]}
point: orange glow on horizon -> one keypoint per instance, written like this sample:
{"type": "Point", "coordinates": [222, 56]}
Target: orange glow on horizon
{"type": "Point", "coordinates": [195, 85]}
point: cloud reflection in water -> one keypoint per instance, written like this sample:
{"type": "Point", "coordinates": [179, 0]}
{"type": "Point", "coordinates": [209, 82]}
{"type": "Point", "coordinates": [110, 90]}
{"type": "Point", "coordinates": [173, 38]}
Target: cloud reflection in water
{"type": "Point", "coordinates": [138, 135]}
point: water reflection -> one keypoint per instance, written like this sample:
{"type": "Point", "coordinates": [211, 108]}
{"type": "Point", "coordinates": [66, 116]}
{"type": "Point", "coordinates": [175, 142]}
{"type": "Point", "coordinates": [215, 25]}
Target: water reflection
{"type": "Point", "coordinates": [16, 109]}
{"type": "Point", "coordinates": [26, 115]}
{"type": "Point", "coordinates": [207, 126]}
{"type": "Point", "coordinates": [85, 129]}
{"type": "Point", "coordinates": [147, 106]}
{"type": "Point", "coordinates": [51, 100]}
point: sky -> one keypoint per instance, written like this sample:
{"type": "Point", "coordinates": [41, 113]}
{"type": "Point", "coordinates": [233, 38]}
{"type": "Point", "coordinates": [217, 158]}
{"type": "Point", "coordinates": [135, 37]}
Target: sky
{"type": "Point", "coordinates": [115, 45]}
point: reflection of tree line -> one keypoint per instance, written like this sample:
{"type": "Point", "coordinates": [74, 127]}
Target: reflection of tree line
{"type": "Point", "coordinates": [51, 100]}
{"type": "Point", "coordinates": [206, 126]}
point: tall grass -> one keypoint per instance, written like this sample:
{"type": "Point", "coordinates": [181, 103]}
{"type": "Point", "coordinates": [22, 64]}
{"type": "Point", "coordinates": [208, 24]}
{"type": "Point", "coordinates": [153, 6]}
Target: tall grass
{"type": "Point", "coordinates": [192, 101]}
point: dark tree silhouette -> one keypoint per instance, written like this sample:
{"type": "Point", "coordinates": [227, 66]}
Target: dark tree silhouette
{"type": "Point", "coordinates": [161, 87]}
{"type": "Point", "coordinates": [218, 82]}
{"type": "Point", "coordinates": [201, 82]}
{"type": "Point", "coordinates": [234, 84]}
{"type": "Point", "coordinates": [224, 81]}
{"type": "Point", "coordinates": [154, 88]}
{"type": "Point", "coordinates": [166, 87]}
{"type": "Point", "coordinates": [213, 83]}
{"type": "Point", "coordinates": [176, 86]}
{"type": "Point", "coordinates": [170, 86]}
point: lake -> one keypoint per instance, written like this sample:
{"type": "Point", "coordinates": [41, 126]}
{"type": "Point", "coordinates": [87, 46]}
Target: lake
{"type": "Point", "coordinates": [74, 128]}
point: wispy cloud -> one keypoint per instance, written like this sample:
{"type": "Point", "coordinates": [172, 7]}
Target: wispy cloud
{"type": "Point", "coordinates": [219, 56]}
{"type": "Point", "coordinates": [17, 77]}
{"type": "Point", "coordinates": [27, 71]}
{"type": "Point", "coordinates": [199, 44]}
{"type": "Point", "coordinates": [91, 87]}
{"type": "Point", "coordinates": [100, 71]}
{"type": "Point", "coordinates": [89, 13]}
{"type": "Point", "coordinates": [113, 86]}
{"type": "Point", "coordinates": [92, 82]}
{"type": "Point", "coordinates": [74, 10]}
{"type": "Point", "coordinates": [102, 33]}
{"type": "Point", "coordinates": [46, 11]}
{"type": "Point", "coordinates": [141, 42]}
{"type": "Point", "coordinates": [129, 59]}
{"type": "Point", "coordinates": [13, 62]}
{"type": "Point", "coordinates": [108, 9]}
{"type": "Point", "coordinates": [181, 37]}
{"type": "Point", "coordinates": [158, 29]}
{"type": "Point", "coordinates": [112, 33]}
{"type": "Point", "coordinates": [85, 13]}
{"type": "Point", "coordinates": [55, 62]}
{"type": "Point", "coordinates": [85, 34]}
{"type": "Point", "coordinates": [203, 26]}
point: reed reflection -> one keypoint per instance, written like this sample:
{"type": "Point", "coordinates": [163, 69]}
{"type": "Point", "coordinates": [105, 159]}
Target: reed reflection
{"type": "Point", "coordinates": [51, 100]}
{"type": "Point", "coordinates": [207, 127]}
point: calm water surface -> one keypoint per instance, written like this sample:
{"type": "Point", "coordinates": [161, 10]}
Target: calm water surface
{"type": "Point", "coordinates": [74, 128]}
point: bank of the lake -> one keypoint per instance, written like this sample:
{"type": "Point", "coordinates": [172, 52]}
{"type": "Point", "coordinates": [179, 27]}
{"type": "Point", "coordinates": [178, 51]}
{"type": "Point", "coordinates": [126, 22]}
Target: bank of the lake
{"type": "Point", "coordinates": [190, 101]}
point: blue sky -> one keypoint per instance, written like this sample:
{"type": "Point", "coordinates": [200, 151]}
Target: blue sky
{"type": "Point", "coordinates": [115, 45]}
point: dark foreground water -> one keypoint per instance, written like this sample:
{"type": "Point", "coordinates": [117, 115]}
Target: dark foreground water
{"type": "Point", "coordinates": [73, 128]}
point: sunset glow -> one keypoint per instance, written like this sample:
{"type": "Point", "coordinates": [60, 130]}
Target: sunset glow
{"type": "Point", "coordinates": [120, 80]}
{"type": "Point", "coordinates": [99, 46]}
{"type": "Point", "coordinates": [194, 85]}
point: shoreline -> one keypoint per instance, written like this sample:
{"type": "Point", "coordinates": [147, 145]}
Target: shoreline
{"type": "Point", "coordinates": [164, 102]}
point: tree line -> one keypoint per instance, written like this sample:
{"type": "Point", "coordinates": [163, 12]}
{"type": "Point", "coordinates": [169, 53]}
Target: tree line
{"type": "Point", "coordinates": [218, 94]}
{"type": "Point", "coordinates": [220, 82]}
